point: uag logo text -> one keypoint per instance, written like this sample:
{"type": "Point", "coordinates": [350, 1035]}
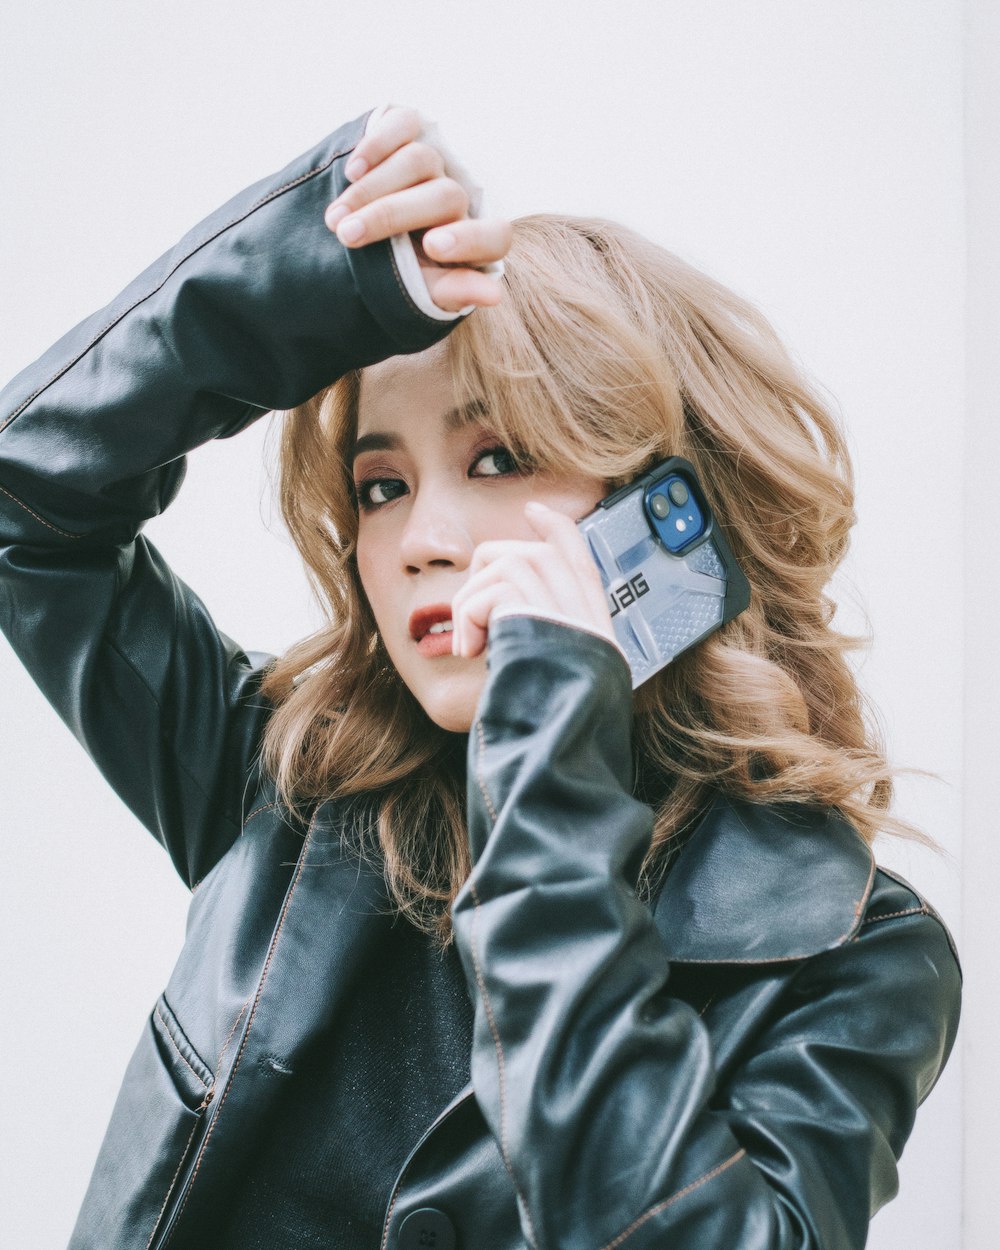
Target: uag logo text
{"type": "Point", "coordinates": [625, 595]}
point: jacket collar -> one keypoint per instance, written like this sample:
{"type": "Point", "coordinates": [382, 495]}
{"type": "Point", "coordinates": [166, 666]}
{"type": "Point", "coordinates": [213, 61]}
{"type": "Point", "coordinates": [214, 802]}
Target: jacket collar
{"type": "Point", "coordinates": [761, 882]}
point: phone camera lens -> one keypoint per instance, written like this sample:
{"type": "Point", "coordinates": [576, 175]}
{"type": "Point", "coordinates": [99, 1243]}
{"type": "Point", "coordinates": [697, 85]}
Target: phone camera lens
{"type": "Point", "coordinates": [660, 506]}
{"type": "Point", "coordinates": [678, 492]}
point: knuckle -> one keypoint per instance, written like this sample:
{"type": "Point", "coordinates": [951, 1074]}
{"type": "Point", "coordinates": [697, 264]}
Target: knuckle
{"type": "Point", "coordinates": [381, 220]}
{"type": "Point", "coordinates": [357, 196]}
{"type": "Point", "coordinates": [455, 196]}
{"type": "Point", "coordinates": [409, 118]}
{"type": "Point", "coordinates": [426, 160]}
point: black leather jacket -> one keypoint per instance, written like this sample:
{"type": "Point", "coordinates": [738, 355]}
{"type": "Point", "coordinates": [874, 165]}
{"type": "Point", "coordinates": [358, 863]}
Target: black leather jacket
{"type": "Point", "coordinates": [737, 1067]}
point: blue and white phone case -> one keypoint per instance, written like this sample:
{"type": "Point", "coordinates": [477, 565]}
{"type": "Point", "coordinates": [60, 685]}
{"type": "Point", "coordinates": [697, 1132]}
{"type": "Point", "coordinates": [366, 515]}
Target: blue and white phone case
{"type": "Point", "coordinates": [670, 576]}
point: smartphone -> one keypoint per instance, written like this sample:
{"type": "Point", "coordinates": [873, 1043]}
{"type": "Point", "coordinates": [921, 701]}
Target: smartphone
{"type": "Point", "coordinates": [670, 577]}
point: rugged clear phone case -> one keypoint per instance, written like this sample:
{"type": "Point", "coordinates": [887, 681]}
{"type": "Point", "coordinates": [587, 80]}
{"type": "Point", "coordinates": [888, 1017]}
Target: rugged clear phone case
{"type": "Point", "coordinates": [661, 603]}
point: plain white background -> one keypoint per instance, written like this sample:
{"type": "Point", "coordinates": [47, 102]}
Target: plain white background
{"type": "Point", "coordinates": [814, 156]}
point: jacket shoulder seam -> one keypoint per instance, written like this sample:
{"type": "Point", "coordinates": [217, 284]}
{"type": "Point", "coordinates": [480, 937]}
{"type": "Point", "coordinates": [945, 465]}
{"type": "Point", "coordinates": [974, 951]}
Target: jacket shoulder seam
{"type": "Point", "coordinates": [894, 915]}
{"type": "Point", "coordinates": [924, 909]}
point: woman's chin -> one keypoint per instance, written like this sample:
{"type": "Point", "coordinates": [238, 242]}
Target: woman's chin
{"type": "Point", "coordinates": [452, 704]}
{"type": "Point", "coordinates": [455, 717]}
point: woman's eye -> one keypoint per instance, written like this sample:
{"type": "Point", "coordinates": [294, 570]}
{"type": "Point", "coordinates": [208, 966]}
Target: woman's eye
{"type": "Point", "coordinates": [378, 490]}
{"type": "Point", "coordinates": [498, 461]}
{"type": "Point", "coordinates": [495, 461]}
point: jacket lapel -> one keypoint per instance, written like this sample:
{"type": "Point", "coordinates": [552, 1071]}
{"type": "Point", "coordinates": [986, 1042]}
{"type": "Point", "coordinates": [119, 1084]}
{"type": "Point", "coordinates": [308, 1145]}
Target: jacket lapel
{"type": "Point", "coordinates": [760, 882]}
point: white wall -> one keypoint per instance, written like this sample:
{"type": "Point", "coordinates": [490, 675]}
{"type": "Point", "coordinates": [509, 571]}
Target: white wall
{"type": "Point", "coordinates": [808, 154]}
{"type": "Point", "coordinates": [981, 847]}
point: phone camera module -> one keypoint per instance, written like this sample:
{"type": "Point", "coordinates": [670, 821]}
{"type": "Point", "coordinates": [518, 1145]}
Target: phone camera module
{"type": "Point", "coordinates": [678, 517]}
{"type": "Point", "coordinates": [678, 492]}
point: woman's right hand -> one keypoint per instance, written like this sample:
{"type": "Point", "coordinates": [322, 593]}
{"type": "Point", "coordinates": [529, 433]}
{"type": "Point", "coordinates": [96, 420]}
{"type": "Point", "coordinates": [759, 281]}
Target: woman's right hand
{"type": "Point", "coordinates": [398, 185]}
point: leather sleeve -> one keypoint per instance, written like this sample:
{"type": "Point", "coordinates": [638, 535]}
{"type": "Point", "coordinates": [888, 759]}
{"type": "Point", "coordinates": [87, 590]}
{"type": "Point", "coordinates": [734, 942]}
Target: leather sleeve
{"type": "Point", "coordinates": [601, 1087]}
{"type": "Point", "coordinates": [256, 308]}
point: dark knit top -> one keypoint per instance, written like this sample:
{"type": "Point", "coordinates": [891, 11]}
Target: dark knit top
{"type": "Point", "coordinates": [323, 1172]}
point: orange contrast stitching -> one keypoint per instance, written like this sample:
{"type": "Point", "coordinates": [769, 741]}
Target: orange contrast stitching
{"type": "Point", "coordinates": [170, 1038]}
{"type": "Point", "coordinates": [681, 1193]}
{"type": "Point", "coordinates": [495, 1032]}
{"type": "Point", "coordinates": [48, 524]}
{"type": "Point", "coordinates": [246, 1035]}
{"type": "Point", "coordinates": [479, 772]}
{"type": "Point", "coordinates": [265, 199]}
{"type": "Point", "coordinates": [170, 1187]}
{"type": "Point", "coordinates": [225, 1044]}
{"type": "Point", "coordinates": [388, 1218]}
{"type": "Point", "coordinates": [865, 894]}
{"type": "Point", "coordinates": [501, 1064]}
{"type": "Point", "coordinates": [891, 915]}
{"type": "Point", "coordinates": [263, 808]}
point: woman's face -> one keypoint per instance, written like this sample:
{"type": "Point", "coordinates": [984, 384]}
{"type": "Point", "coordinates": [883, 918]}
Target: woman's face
{"type": "Point", "coordinates": [431, 485]}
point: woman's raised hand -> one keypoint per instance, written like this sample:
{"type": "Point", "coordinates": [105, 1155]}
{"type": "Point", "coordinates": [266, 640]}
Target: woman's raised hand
{"type": "Point", "coordinates": [555, 577]}
{"type": "Point", "coordinates": [398, 185]}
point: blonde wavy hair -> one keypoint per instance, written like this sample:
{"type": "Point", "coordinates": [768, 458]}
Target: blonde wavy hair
{"type": "Point", "coordinates": [606, 354]}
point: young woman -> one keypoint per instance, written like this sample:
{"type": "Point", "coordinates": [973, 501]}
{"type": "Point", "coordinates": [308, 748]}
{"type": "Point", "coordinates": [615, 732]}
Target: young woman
{"type": "Point", "coordinates": [484, 950]}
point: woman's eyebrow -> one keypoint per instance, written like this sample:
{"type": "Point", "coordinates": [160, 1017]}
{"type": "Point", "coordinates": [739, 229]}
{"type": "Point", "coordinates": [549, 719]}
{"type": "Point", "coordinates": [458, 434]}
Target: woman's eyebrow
{"type": "Point", "coordinates": [375, 442]}
{"type": "Point", "coordinates": [468, 413]}
{"type": "Point", "coordinates": [454, 419]}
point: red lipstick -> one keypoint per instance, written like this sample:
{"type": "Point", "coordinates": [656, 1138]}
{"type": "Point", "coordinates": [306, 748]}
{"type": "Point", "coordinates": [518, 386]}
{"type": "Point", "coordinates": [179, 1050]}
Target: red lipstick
{"type": "Point", "coordinates": [429, 644]}
{"type": "Point", "coordinates": [423, 618]}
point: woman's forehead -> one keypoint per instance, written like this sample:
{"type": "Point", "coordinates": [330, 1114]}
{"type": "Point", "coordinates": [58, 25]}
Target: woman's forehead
{"type": "Point", "coordinates": [426, 371]}
{"type": "Point", "coordinates": [404, 390]}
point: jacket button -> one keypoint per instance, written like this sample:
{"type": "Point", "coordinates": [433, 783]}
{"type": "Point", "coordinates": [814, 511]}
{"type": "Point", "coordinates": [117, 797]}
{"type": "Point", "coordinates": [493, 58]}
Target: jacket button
{"type": "Point", "coordinates": [427, 1229]}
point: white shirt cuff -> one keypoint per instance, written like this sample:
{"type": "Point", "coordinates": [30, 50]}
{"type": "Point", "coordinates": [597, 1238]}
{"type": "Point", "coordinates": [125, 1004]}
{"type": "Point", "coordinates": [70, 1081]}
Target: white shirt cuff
{"type": "Point", "coordinates": [402, 245]}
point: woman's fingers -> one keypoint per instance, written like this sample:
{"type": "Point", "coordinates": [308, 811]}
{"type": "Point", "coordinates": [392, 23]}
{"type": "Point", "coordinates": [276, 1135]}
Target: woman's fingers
{"type": "Point", "coordinates": [411, 164]}
{"type": "Point", "coordinates": [508, 580]}
{"type": "Point", "coordinates": [471, 241]}
{"type": "Point", "coordinates": [455, 289]}
{"type": "Point", "coordinates": [470, 623]}
{"type": "Point", "coordinates": [554, 576]}
{"type": "Point", "coordinates": [396, 126]}
{"type": "Point", "coordinates": [569, 579]}
{"type": "Point", "coordinates": [399, 187]}
{"type": "Point", "coordinates": [561, 531]}
{"type": "Point", "coordinates": [426, 204]}
{"type": "Point", "coordinates": [449, 258]}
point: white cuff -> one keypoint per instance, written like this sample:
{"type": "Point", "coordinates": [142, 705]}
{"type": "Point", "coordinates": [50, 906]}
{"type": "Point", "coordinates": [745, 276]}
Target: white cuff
{"type": "Point", "coordinates": [402, 245]}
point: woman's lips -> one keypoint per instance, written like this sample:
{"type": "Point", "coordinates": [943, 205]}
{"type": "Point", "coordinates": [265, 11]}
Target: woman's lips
{"type": "Point", "coordinates": [436, 644]}
{"type": "Point", "coordinates": [421, 619]}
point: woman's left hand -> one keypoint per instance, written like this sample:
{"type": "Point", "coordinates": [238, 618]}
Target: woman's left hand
{"type": "Point", "coordinates": [553, 577]}
{"type": "Point", "coordinates": [398, 185]}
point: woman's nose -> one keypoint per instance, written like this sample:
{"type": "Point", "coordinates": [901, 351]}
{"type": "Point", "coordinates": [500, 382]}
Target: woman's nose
{"type": "Point", "coordinates": [436, 534]}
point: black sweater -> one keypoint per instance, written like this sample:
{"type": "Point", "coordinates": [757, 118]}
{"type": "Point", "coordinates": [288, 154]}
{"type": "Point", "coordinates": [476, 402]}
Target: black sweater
{"type": "Point", "coordinates": [322, 1174]}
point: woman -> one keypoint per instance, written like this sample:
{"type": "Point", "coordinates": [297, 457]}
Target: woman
{"type": "Point", "coordinates": [483, 950]}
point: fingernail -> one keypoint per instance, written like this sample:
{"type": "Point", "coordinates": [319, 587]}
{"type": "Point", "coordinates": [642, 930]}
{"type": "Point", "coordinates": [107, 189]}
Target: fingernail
{"type": "Point", "coordinates": [440, 240]}
{"type": "Point", "coordinates": [351, 230]}
{"type": "Point", "coordinates": [333, 215]}
{"type": "Point", "coordinates": [355, 168]}
{"type": "Point", "coordinates": [535, 506]}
